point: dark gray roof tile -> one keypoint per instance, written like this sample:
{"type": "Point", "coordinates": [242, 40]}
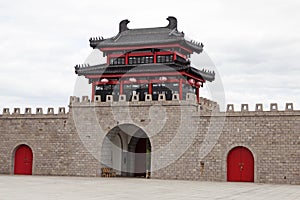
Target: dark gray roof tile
{"type": "Point", "coordinates": [144, 68]}
{"type": "Point", "coordinates": [147, 36]}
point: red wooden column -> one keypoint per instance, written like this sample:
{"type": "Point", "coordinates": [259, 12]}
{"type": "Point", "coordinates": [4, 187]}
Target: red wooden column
{"type": "Point", "coordinates": [93, 92]}
{"type": "Point", "coordinates": [126, 59]}
{"type": "Point", "coordinates": [121, 86]}
{"type": "Point", "coordinates": [180, 88]}
{"type": "Point", "coordinates": [197, 94]}
{"type": "Point", "coordinates": [150, 87]}
{"type": "Point", "coordinates": [174, 56]}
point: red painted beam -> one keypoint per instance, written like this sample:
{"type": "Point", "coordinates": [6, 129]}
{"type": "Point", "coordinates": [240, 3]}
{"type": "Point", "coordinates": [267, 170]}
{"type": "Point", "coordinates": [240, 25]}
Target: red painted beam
{"type": "Point", "coordinates": [138, 82]}
{"type": "Point", "coordinates": [116, 55]}
{"type": "Point", "coordinates": [145, 75]}
{"type": "Point", "coordinates": [134, 75]}
{"type": "Point", "coordinates": [146, 47]}
{"type": "Point", "coordinates": [141, 54]}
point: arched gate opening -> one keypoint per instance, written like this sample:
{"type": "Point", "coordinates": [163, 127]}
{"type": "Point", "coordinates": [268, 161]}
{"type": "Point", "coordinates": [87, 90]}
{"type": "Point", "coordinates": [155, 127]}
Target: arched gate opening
{"type": "Point", "coordinates": [126, 152]}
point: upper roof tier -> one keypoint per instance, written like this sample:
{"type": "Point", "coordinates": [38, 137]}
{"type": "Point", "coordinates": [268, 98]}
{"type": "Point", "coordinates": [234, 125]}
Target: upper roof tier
{"type": "Point", "coordinates": [128, 39]}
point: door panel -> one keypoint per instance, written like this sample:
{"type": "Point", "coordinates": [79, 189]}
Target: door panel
{"type": "Point", "coordinates": [23, 160]}
{"type": "Point", "coordinates": [240, 165]}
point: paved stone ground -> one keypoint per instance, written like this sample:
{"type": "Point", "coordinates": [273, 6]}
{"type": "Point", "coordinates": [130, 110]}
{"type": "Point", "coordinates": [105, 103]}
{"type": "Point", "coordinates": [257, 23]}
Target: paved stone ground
{"type": "Point", "coordinates": [45, 187]}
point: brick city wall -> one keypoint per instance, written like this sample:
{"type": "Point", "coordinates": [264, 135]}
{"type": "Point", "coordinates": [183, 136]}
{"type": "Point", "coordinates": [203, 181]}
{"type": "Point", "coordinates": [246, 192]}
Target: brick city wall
{"type": "Point", "coordinates": [189, 141]}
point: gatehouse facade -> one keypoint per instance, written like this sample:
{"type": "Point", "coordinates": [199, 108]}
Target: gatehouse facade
{"type": "Point", "coordinates": [146, 118]}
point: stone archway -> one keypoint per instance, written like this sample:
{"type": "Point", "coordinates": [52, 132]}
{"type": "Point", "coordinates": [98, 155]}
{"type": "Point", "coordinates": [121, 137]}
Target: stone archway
{"type": "Point", "coordinates": [240, 165]}
{"type": "Point", "coordinates": [126, 149]}
{"type": "Point", "coordinates": [112, 151]}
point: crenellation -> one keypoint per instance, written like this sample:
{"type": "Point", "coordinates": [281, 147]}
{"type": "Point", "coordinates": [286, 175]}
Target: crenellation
{"type": "Point", "coordinates": [191, 97]}
{"type": "Point", "coordinates": [74, 99]}
{"type": "Point", "coordinates": [61, 110]}
{"type": "Point", "coordinates": [122, 98]}
{"type": "Point", "coordinates": [230, 108]}
{"type": "Point", "coordinates": [289, 107]}
{"type": "Point", "coordinates": [85, 99]}
{"type": "Point", "coordinates": [109, 98]}
{"type": "Point", "coordinates": [258, 107]}
{"type": "Point", "coordinates": [135, 97]}
{"type": "Point", "coordinates": [175, 97]}
{"type": "Point", "coordinates": [39, 111]}
{"type": "Point", "coordinates": [50, 111]}
{"type": "Point", "coordinates": [244, 107]}
{"type": "Point", "coordinates": [148, 97]}
{"type": "Point", "coordinates": [273, 107]}
{"type": "Point", "coordinates": [27, 111]}
{"type": "Point", "coordinates": [204, 103]}
{"type": "Point", "coordinates": [6, 111]}
{"type": "Point", "coordinates": [161, 97]}
{"type": "Point", "coordinates": [17, 111]}
{"type": "Point", "coordinates": [97, 98]}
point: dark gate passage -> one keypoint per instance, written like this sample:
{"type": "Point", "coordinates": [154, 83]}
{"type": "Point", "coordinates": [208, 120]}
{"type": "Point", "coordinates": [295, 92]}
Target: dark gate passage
{"type": "Point", "coordinates": [23, 160]}
{"type": "Point", "coordinates": [142, 153]}
{"type": "Point", "coordinates": [240, 165]}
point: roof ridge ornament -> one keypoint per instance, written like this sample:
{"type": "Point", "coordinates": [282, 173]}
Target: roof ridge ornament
{"type": "Point", "coordinates": [172, 23]}
{"type": "Point", "coordinates": [123, 25]}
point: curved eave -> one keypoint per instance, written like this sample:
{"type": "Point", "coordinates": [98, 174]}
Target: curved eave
{"type": "Point", "coordinates": [205, 75]}
{"type": "Point", "coordinates": [145, 68]}
{"type": "Point", "coordinates": [128, 69]}
{"type": "Point", "coordinates": [105, 46]}
{"type": "Point", "coordinates": [111, 43]}
{"type": "Point", "coordinates": [194, 47]}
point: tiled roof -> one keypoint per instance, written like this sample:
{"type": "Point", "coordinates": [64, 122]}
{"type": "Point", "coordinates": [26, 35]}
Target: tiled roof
{"type": "Point", "coordinates": [147, 36]}
{"type": "Point", "coordinates": [143, 68]}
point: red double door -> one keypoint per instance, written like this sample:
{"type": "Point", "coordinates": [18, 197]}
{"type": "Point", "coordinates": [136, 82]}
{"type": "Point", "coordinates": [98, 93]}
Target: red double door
{"type": "Point", "coordinates": [240, 165]}
{"type": "Point", "coordinates": [23, 160]}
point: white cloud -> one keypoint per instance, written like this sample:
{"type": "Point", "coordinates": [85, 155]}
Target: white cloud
{"type": "Point", "coordinates": [254, 44]}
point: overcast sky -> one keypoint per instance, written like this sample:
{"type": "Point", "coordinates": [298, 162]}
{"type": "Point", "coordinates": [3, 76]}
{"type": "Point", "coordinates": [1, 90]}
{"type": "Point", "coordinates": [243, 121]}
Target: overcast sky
{"type": "Point", "coordinates": [254, 45]}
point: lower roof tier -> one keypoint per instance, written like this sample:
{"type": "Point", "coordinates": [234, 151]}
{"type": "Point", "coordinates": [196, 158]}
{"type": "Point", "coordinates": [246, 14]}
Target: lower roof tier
{"type": "Point", "coordinates": [153, 68]}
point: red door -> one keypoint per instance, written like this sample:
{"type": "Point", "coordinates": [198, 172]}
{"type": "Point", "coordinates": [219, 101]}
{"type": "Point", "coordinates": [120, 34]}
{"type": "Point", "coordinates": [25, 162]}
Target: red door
{"type": "Point", "coordinates": [23, 160]}
{"type": "Point", "coordinates": [240, 165]}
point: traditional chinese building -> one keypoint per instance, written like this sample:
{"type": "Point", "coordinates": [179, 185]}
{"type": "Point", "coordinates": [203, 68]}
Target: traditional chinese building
{"type": "Point", "coordinates": [146, 61]}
